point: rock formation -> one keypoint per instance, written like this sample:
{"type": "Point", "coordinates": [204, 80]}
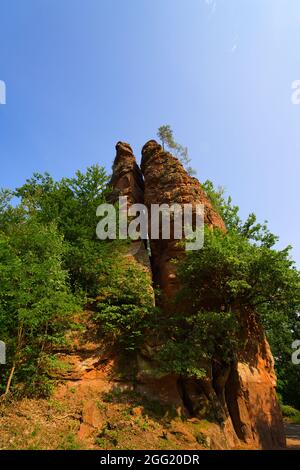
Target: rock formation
{"type": "Point", "coordinates": [242, 397]}
{"type": "Point", "coordinates": [127, 180]}
{"type": "Point", "coordinates": [166, 181]}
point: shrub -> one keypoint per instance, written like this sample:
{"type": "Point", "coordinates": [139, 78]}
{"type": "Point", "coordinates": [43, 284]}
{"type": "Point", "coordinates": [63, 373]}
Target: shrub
{"type": "Point", "coordinates": [230, 278]}
{"type": "Point", "coordinates": [35, 298]}
{"type": "Point", "coordinates": [125, 302]}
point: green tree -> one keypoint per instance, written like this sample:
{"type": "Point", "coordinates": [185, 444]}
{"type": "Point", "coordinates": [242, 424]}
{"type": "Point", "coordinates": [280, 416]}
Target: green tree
{"type": "Point", "coordinates": [278, 277]}
{"type": "Point", "coordinates": [125, 302]}
{"type": "Point", "coordinates": [230, 278]}
{"type": "Point", "coordinates": [166, 136]}
{"type": "Point", "coordinates": [249, 229]}
{"type": "Point", "coordinates": [35, 299]}
{"type": "Point", "coordinates": [71, 204]}
{"type": "Point", "coordinates": [50, 261]}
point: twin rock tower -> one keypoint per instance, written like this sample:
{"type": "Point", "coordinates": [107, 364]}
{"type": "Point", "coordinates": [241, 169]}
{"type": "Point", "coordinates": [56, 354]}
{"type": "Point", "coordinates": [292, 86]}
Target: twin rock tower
{"type": "Point", "coordinates": [242, 395]}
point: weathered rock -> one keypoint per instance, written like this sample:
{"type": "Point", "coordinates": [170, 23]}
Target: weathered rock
{"type": "Point", "coordinates": [241, 398]}
{"type": "Point", "coordinates": [91, 419]}
{"type": "Point", "coordinates": [179, 429]}
{"type": "Point", "coordinates": [251, 392]}
{"type": "Point", "coordinates": [167, 182]}
{"type": "Point", "coordinates": [127, 180]}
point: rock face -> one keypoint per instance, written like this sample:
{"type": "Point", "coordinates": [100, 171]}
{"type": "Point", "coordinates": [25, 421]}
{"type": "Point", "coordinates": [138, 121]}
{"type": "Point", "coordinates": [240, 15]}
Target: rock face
{"type": "Point", "coordinates": [251, 393]}
{"type": "Point", "coordinates": [242, 398]}
{"type": "Point", "coordinates": [127, 180]}
{"type": "Point", "coordinates": [166, 181]}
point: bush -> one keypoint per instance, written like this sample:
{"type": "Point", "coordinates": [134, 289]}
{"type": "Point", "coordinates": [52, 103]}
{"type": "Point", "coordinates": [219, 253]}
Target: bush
{"type": "Point", "coordinates": [35, 299]}
{"type": "Point", "coordinates": [196, 341]}
{"type": "Point", "coordinates": [291, 413]}
{"type": "Point", "coordinates": [71, 204]}
{"type": "Point", "coordinates": [230, 278]}
{"type": "Point", "coordinates": [278, 302]}
{"type": "Point", "coordinates": [125, 302]}
{"type": "Point", "coordinates": [50, 263]}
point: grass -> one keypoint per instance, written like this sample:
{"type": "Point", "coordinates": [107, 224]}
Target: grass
{"type": "Point", "coordinates": [102, 442]}
{"type": "Point", "coordinates": [107, 437]}
{"type": "Point", "coordinates": [69, 442]}
{"type": "Point", "coordinates": [142, 423]}
{"type": "Point", "coordinates": [291, 414]}
{"type": "Point", "coordinates": [101, 406]}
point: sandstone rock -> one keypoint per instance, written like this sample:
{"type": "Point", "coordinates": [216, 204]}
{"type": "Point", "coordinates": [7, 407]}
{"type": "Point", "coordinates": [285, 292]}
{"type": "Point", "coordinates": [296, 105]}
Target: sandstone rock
{"type": "Point", "coordinates": [91, 420]}
{"type": "Point", "coordinates": [167, 182]}
{"type": "Point", "coordinates": [137, 411]}
{"type": "Point", "coordinates": [164, 389]}
{"type": "Point", "coordinates": [179, 429]}
{"type": "Point", "coordinates": [127, 179]}
{"type": "Point", "coordinates": [251, 397]}
{"type": "Point", "coordinates": [242, 399]}
{"type": "Point", "coordinates": [91, 415]}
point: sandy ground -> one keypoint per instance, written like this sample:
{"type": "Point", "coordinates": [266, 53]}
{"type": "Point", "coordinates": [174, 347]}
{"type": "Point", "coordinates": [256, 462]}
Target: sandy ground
{"type": "Point", "coordinates": [293, 436]}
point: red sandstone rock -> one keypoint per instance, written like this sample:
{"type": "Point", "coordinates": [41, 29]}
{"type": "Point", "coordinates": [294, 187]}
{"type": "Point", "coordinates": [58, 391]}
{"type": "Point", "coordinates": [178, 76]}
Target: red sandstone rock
{"type": "Point", "coordinates": [243, 397]}
{"type": "Point", "coordinates": [127, 179]}
{"type": "Point", "coordinates": [251, 391]}
{"type": "Point", "coordinates": [166, 181]}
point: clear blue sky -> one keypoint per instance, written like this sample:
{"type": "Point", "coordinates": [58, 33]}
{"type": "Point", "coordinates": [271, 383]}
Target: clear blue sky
{"type": "Point", "coordinates": [83, 74]}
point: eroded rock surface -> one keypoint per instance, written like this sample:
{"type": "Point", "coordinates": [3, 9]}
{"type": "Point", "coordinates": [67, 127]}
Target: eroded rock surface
{"type": "Point", "coordinates": [127, 180]}
{"type": "Point", "coordinates": [167, 182]}
{"type": "Point", "coordinates": [242, 397]}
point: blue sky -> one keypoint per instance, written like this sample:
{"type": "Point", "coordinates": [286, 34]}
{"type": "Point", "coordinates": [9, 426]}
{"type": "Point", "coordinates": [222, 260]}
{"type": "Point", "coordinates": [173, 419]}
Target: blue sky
{"type": "Point", "coordinates": [83, 74]}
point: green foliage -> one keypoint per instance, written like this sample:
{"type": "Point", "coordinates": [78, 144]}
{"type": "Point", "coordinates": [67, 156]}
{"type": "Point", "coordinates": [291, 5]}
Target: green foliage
{"type": "Point", "coordinates": [289, 411]}
{"type": "Point", "coordinates": [166, 136]}
{"type": "Point", "coordinates": [71, 204]}
{"type": "Point", "coordinates": [126, 303]}
{"type": "Point", "coordinates": [35, 299]}
{"type": "Point", "coordinates": [197, 340]}
{"type": "Point", "coordinates": [5, 198]}
{"type": "Point", "coordinates": [235, 274]}
{"type": "Point", "coordinates": [249, 271]}
{"type": "Point", "coordinates": [250, 229]}
{"type": "Point", "coordinates": [50, 262]}
{"type": "Point", "coordinates": [291, 414]}
{"type": "Point", "coordinates": [230, 273]}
